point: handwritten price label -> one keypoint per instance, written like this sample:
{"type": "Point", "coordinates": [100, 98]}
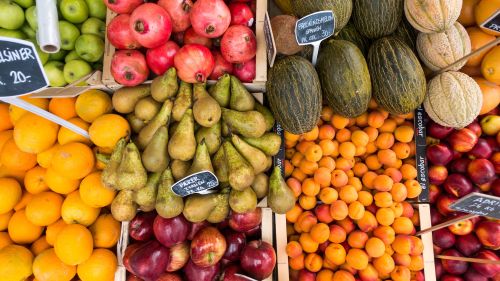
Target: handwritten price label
{"type": "Point", "coordinates": [314, 28]}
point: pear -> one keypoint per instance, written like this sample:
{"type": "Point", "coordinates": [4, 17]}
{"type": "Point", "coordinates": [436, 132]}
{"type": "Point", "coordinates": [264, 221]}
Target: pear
{"type": "Point", "coordinates": [183, 101]}
{"type": "Point", "coordinates": [280, 198]}
{"type": "Point", "coordinates": [269, 143]}
{"type": "Point", "coordinates": [220, 165]}
{"type": "Point", "coordinates": [161, 119]}
{"type": "Point", "coordinates": [125, 99]}
{"type": "Point", "coordinates": [221, 210]}
{"type": "Point", "coordinates": [253, 155]}
{"type": "Point", "coordinates": [197, 207]}
{"type": "Point", "coordinates": [136, 123]}
{"type": "Point", "coordinates": [206, 110]}
{"type": "Point", "coordinates": [220, 91]}
{"type": "Point", "coordinates": [225, 130]}
{"type": "Point", "coordinates": [201, 161]}
{"type": "Point", "coordinates": [240, 172]}
{"type": "Point", "coordinates": [212, 137]}
{"type": "Point", "coordinates": [165, 86]}
{"type": "Point", "coordinates": [155, 155]}
{"type": "Point", "coordinates": [131, 173]}
{"type": "Point", "coordinates": [123, 207]}
{"type": "Point", "coordinates": [182, 144]}
{"type": "Point", "coordinates": [172, 128]}
{"type": "Point", "coordinates": [243, 201]}
{"type": "Point", "coordinates": [147, 108]}
{"type": "Point", "coordinates": [260, 185]}
{"type": "Point", "coordinates": [146, 196]}
{"type": "Point", "coordinates": [248, 124]}
{"type": "Point", "coordinates": [109, 176]}
{"type": "Point", "coordinates": [268, 116]}
{"type": "Point", "coordinates": [180, 168]}
{"type": "Point", "coordinates": [241, 99]}
{"type": "Point", "coordinates": [168, 204]}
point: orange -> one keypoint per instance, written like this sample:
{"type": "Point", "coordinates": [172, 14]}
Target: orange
{"type": "Point", "coordinates": [5, 123]}
{"type": "Point", "coordinates": [73, 160]}
{"type": "Point", "coordinates": [94, 193]}
{"type": "Point", "coordinates": [16, 263]}
{"type": "Point", "coordinates": [34, 134]}
{"type": "Point", "coordinates": [10, 194]}
{"type": "Point", "coordinates": [484, 10]}
{"type": "Point", "coordinates": [105, 231]}
{"type": "Point", "coordinates": [101, 266]}
{"type": "Point", "coordinates": [335, 253]}
{"type": "Point", "coordinates": [467, 17]}
{"type": "Point", "coordinates": [490, 66]}
{"type": "Point", "coordinates": [34, 181]}
{"type": "Point", "coordinates": [5, 240]}
{"type": "Point", "coordinates": [16, 112]}
{"type": "Point", "coordinates": [53, 230]}
{"type": "Point", "coordinates": [21, 230]}
{"type": "Point", "coordinates": [92, 104]}
{"type": "Point", "coordinates": [25, 199]}
{"type": "Point", "coordinates": [66, 136]}
{"type": "Point", "coordinates": [73, 244]}
{"type": "Point", "coordinates": [60, 184]}
{"type": "Point", "coordinates": [4, 220]}
{"type": "Point", "coordinates": [14, 158]}
{"type": "Point", "coordinates": [44, 208]}
{"type": "Point", "coordinates": [478, 38]}
{"type": "Point", "coordinates": [63, 107]}
{"type": "Point", "coordinates": [108, 129]}
{"type": "Point", "coordinates": [491, 94]}
{"type": "Point", "coordinates": [74, 210]}
{"type": "Point", "coordinates": [47, 267]}
{"type": "Point", "coordinates": [375, 247]}
{"type": "Point", "coordinates": [44, 158]}
{"type": "Point", "coordinates": [357, 259]}
{"type": "Point", "coordinates": [39, 246]}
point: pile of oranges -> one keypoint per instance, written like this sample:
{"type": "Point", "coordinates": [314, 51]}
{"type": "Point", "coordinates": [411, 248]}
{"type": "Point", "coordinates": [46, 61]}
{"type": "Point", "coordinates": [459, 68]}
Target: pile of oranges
{"type": "Point", "coordinates": [352, 178]}
{"type": "Point", "coordinates": [54, 217]}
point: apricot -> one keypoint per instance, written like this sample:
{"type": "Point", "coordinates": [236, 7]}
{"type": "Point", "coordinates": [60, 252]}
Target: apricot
{"type": "Point", "coordinates": [347, 224]}
{"type": "Point", "coordinates": [308, 244]}
{"type": "Point", "coordinates": [356, 210]}
{"type": "Point", "coordinates": [401, 259]}
{"type": "Point", "coordinates": [357, 259]}
{"type": "Point", "coordinates": [307, 202]}
{"type": "Point", "coordinates": [337, 234]}
{"type": "Point", "coordinates": [384, 264]}
{"type": "Point", "coordinates": [385, 233]}
{"type": "Point", "coordinates": [313, 262]}
{"type": "Point", "coordinates": [310, 187]}
{"type": "Point", "coordinates": [293, 249]}
{"type": "Point", "coordinates": [311, 135]}
{"type": "Point", "coordinates": [375, 119]}
{"type": "Point", "coordinates": [404, 134]}
{"type": "Point", "coordinates": [323, 177]}
{"type": "Point", "coordinates": [324, 274]}
{"type": "Point", "coordinates": [343, 275]}
{"type": "Point", "coordinates": [369, 274]}
{"type": "Point", "coordinates": [357, 239]}
{"type": "Point", "coordinates": [416, 263]}
{"type": "Point", "coordinates": [293, 215]}
{"type": "Point", "coordinates": [339, 122]}
{"type": "Point", "coordinates": [306, 220]}
{"type": "Point", "coordinates": [385, 216]}
{"type": "Point", "coordinates": [384, 141]}
{"type": "Point", "coordinates": [365, 198]}
{"type": "Point", "coordinates": [397, 208]}
{"type": "Point", "coordinates": [368, 222]}
{"type": "Point", "coordinates": [413, 187]}
{"type": "Point", "coordinates": [401, 273]}
{"type": "Point", "coordinates": [320, 232]}
{"type": "Point", "coordinates": [297, 263]}
{"type": "Point", "coordinates": [403, 225]}
{"type": "Point", "coordinates": [408, 210]}
{"type": "Point", "coordinates": [383, 199]}
{"type": "Point", "coordinates": [383, 183]}
{"type": "Point", "coordinates": [339, 178]}
{"type": "Point", "coordinates": [402, 244]}
{"type": "Point", "coordinates": [418, 246]}
{"type": "Point", "coordinates": [326, 132]}
{"type": "Point", "coordinates": [322, 212]}
{"type": "Point", "coordinates": [348, 194]}
{"type": "Point", "coordinates": [388, 127]}
{"type": "Point", "coordinates": [343, 135]}
{"type": "Point", "coordinates": [335, 253]}
{"type": "Point", "coordinates": [399, 192]}
{"type": "Point", "coordinates": [375, 247]}
{"type": "Point", "coordinates": [394, 173]}
{"type": "Point", "coordinates": [339, 210]}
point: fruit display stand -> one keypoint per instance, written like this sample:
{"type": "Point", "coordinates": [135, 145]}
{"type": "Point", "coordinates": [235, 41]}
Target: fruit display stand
{"type": "Point", "coordinates": [258, 84]}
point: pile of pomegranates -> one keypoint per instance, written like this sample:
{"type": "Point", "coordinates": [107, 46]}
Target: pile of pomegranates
{"type": "Point", "coordinates": [202, 39]}
{"type": "Point", "coordinates": [460, 162]}
{"type": "Point", "coordinates": [175, 249]}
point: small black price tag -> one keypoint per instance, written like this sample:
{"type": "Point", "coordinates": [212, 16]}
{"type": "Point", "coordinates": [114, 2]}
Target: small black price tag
{"type": "Point", "coordinates": [21, 71]}
{"type": "Point", "coordinates": [420, 154]}
{"type": "Point", "coordinates": [493, 22]}
{"type": "Point", "coordinates": [315, 27]}
{"type": "Point", "coordinates": [478, 204]}
{"type": "Point", "coordinates": [270, 43]}
{"type": "Point", "coordinates": [199, 182]}
{"type": "Point", "coordinates": [279, 159]}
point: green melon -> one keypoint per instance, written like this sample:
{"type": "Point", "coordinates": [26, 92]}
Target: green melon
{"type": "Point", "coordinates": [375, 19]}
{"type": "Point", "coordinates": [351, 34]}
{"type": "Point", "coordinates": [407, 33]}
{"type": "Point", "coordinates": [342, 9]}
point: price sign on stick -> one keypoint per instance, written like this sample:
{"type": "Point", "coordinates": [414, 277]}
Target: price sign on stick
{"type": "Point", "coordinates": [314, 28]}
{"type": "Point", "coordinates": [420, 150]}
{"type": "Point", "coordinates": [478, 204]}
{"type": "Point", "coordinates": [270, 43]}
{"type": "Point", "coordinates": [200, 182]}
{"type": "Point", "coordinates": [493, 22]}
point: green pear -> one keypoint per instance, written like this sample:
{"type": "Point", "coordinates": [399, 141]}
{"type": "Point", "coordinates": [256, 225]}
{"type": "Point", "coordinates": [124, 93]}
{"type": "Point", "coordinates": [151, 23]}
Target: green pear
{"type": "Point", "coordinates": [241, 99]}
{"type": "Point", "coordinates": [147, 108]}
{"type": "Point", "coordinates": [268, 116]}
{"type": "Point", "coordinates": [253, 155]}
{"type": "Point", "coordinates": [180, 168]}
{"type": "Point", "coordinates": [260, 185]}
{"type": "Point", "coordinates": [221, 210]}
{"type": "Point", "coordinates": [212, 137]}
{"type": "Point", "coordinates": [165, 86]}
{"type": "Point", "coordinates": [123, 207]}
{"type": "Point", "coordinates": [155, 155]}
{"type": "Point", "coordinates": [243, 201]}
{"type": "Point", "coordinates": [109, 176]}
{"type": "Point", "coordinates": [182, 144]}
{"type": "Point", "coordinates": [168, 204]}
{"type": "Point", "coordinates": [206, 110]}
{"type": "Point", "coordinates": [197, 207]}
{"type": "Point", "coordinates": [221, 90]}
{"type": "Point", "coordinates": [201, 161]}
{"type": "Point", "coordinates": [183, 101]}
{"type": "Point", "coordinates": [146, 196]}
{"type": "Point", "coordinates": [125, 99]}
{"type": "Point", "coordinates": [220, 165]}
{"type": "Point", "coordinates": [248, 124]}
{"type": "Point", "coordinates": [131, 173]}
{"type": "Point", "coordinates": [136, 123]}
{"type": "Point", "coordinates": [280, 198]}
{"type": "Point", "coordinates": [161, 119]}
{"type": "Point", "coordinates": [269, 143]}
{"type": "Point", "coordinates": [241, 173]}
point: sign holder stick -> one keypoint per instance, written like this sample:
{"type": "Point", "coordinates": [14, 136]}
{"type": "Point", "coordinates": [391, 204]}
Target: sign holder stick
{"type": "Point", "coordinates": [445, 224]}
{"type": "Point", "coordinates": [315, 52]}
{"type": "Point", "coordinates": [467, 259]}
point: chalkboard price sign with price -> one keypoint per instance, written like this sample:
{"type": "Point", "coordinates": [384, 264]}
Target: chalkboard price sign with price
{"type": "Point", "coordinates": [493, 22]}
{"type": "Point", "coordinates": [21, 71]}
{"type": "Point", "coordinates": [314, 28]}
{"type": "Point", "coordinates": [478, 204]}
{"type": "Point", "coordinates": [200, 182]}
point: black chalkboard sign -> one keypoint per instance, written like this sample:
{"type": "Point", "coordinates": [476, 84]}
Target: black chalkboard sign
{"type": "Point", "coordinates": [21, 71]}
{"type": "Point", "coordinates": [493, 23]}
{"type": "Point", "coordinates": [420, 121]}
{"type": "Point", "coordinates": [196, 183]}
{"type": "Point", "coordinates": [314, 27]}
{"type": "Point", "coordinates": [270, 43]}
{"type": "Point", "coordinates": [478, 204]}
{"type": "Point", "coordinates": [278, 159]}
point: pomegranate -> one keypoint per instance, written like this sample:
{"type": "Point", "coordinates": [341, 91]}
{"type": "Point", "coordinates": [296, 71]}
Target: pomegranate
{"type": "Point", "coordinates": [238, 44]}
{"type": "Point", "coordinates": [129, 68]}
{"type": "Point", "coordinates": [123, 6]}
{"type": "Point", "coordinates": [210, 18]}
{"type": "Point", "coordinates": [222, 66]}
{"type": "Point", "coordinates": [241, 14]}
{"type": "Point", "coordinates": [119, 33]}
{"type": "Point", "coordinates": [245, 71]}
{"type": "Point", "coordinates": [178, 38]}
{"type": "Point", "coordinates": [179, 13]}
{"type": "Point", "coordinates": [161, 58]}
{"type": "Point", "coordinates": [191, 37]}
{"type": "Point", "coordinates": [194, 63]}
{"type": "Point", "coordinates": [151, 25]}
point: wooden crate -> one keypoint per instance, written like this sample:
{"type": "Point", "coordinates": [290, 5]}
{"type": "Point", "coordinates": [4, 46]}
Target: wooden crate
{"type": "Point", "coordinates": [94, 82]}
{"type": "Point", "coordinates": [259, 83]}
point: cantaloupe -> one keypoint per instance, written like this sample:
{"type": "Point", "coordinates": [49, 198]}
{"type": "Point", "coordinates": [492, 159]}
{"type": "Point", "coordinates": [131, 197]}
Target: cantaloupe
{"type": "Point", "coordinates": [453, 99]}
{"type": "Point", "coordinates": [439, 50]}
{"type": "Point", "coordinates": [432, 15]}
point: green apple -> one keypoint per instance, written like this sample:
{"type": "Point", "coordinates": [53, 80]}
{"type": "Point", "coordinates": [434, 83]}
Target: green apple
{"type": "Point", "coordinates": [24, 3]}
{"type": "Point", "coordinates": [97, 9]}
{"type": "Point", "coordinates": [44, 57]}
{"type": "Point", "coordinates": [89, 47]}
{"type": "Point", "coordinates": [26, 28]}
{"type": "Point", "coordinates": [69, 33]}
{"type": "Point", "coordinates": [59, 55]}
{"type": "Point", "coordinates": [76, 69]}
{"type": "Point", "coordinates": [74, 11]}
{"type": "Point", "coordinates": [31, 17]}
{"type": "Point", "coordinates": [94, 26]}
{"type": "Point", "coordinates": [55, 73]}
{"type": "Point", "coordinates": [11, 15]}
{"type": "Point", "coordinates": [72, 56]}
{"type": "Point", "coordinates": [12, 33]}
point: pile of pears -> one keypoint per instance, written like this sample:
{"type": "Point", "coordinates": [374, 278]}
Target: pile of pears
{"type": "Point", "coordinates": [180, 129]}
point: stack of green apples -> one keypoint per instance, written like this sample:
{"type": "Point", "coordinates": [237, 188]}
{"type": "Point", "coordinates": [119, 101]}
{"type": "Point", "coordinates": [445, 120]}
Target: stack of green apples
{"type": "Point", "coordinates": [82, 30]}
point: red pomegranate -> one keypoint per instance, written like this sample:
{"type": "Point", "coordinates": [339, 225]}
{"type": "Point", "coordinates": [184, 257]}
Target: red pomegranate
{"type": "Point", "coordinates": [241, 14]}
{"type": "Point", "coordinates": [222, 66]}
{"type": "Point", "coordinates": [191, 37]}
{"type": "Point", "coordinates": [150, 25]}
{"type": "Point", "coordinates": [194, 63]}
{"type": "Point", "coordinates": [238, 44]}
{"type": "Point", "coordinates": [119, 33]}
{"type": "Point", "coordinates": [129, 68]}
{"type": "Point", "coordinates": [179, 13]}
{"type": "Point", "coordinates": [160, 59]}
{"type": "Point", "coordinates": [123, 6]}
{"type": "Point", "coordinates": [210, 18]}
{"type": "Point", "coordinates": [245, 71]}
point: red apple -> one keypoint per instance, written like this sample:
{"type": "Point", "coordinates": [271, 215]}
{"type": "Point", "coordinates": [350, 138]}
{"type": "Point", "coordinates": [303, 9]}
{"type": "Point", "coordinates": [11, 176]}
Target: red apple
{"type": "Point", "coordinates": [458, 185]}
{"type": "Point", "coordinates": [132, 277]}
{"type": "Point", "coordinates": [258, 259]}
{"type": "Point", "coordinates": [459, 165]}
{"type": "Point", "coordinates": [436, 217]}
{"type": "Point", "coordinates": [439, 154]}
{"type": "Point", "coordinates": [306, 275]}
{"type": "Point", "coordinates": [488, 232]}
{"type": "Point", "coordinates": [141, 227]}
{"type": "Point", "coordinates": [494, 145]}
{"type": "Point", "coordinates": [462, 140]}
{"type": "Point", "coordinates": [197, 273]}
{"type": "Point", "coordinates": [131, 249]}
{"type": "Point", "coordinates": [434, 192]}
{"type": "Point", "coordinates": [439, 269]}
{"type": "Point", "coordinates": [437, 250]}
{"type": "Point", "coordinates": [195, 227]}
{"type": "Point", "coordinates": [123, 6]}
{"type": "Point", "coordinates": [473, 275]}
{"type": "Point", "coordinates": [169, 276]}
{"type": "Point", "coordinates": [462, 227]}
{"type": "Point", "coordinates": [443, 238]}
{"type": "Point", "coordinates": [495, 187]}
{"type": "Point", "coordinates": [443, 204]}
{"type": "Point", "coordinates": [437, 174]}
{"type": "Point", "coordinates": [468, 244]}
{"type": "Point", "coordinates": [481, 171]}
{"type": "Point", "coordinates": [476, 128]}
{"type": "Point", "coordinates": [171, 231]}
{"type": "Point", "coordinates": [488, 270]}
{"type": "Point", "coordinates": [161, 58]}
{"type": "Point", "coordinates": [150, 260]}
{"type": "Point", "coordinates": [482, 149]}
{"type": "Point", "coordinates": [449, 277]}
{"type": "Point", "coordinates": [236, 242]}
{"type": "Point", "coordinates": [208, 247]}
{"type": "Point", "coordinates": [245, 221]}
{"type": "Point", "coordinates": [256, 231]}
{"type": "Point", "coordinates": [453, 266]}
{"type": "Point", "coordinates": [233, 273]}
{"type": "Point", "coordinates": [179, 256]}
{"type": "Point", "coordinates": [437, 131]}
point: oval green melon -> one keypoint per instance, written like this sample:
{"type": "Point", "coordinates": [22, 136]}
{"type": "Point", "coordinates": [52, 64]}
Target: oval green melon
{"type": "Point", "coordinates": [342, 9]}
{"type": "Point", "coordinates": [294, 94]}
{"type": "Point", "coordinates": [398, 80]}
{"type": "Point", "coordinates": [351, 34]}
{"type": "Point", "coordinates": [344, 77]}
{"type": "Point", "coordinates": [407, 33]}
{"type": "Point", "coordinates": [375, 19]}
